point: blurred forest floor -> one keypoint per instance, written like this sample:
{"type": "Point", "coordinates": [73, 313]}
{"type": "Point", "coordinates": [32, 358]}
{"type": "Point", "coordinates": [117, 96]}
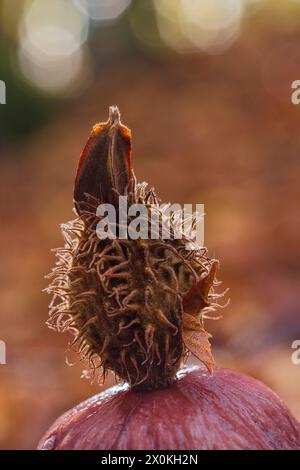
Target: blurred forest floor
{"type": "Point", "coordinates": [218, 130]}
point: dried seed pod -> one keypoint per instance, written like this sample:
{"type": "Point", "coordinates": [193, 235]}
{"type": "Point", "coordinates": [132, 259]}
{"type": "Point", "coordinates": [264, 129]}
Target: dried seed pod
{"type": "Point", "coordinates": [104, 168]}
{"type": "Point", "coordinates": [135, 306]}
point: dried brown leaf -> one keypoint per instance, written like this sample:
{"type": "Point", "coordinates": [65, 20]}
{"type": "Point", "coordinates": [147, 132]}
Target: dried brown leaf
{"type": "Point", "coordinates": [196, 339]}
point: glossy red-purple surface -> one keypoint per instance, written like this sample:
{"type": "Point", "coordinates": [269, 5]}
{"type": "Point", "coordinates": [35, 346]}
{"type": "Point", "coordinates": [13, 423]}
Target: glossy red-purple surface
{"type": "Point", "coordinates": [226, 410]}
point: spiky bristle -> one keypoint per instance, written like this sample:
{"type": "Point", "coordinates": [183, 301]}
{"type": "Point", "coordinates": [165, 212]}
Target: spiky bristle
{"type": "Point", "coordinates": [124, 299]}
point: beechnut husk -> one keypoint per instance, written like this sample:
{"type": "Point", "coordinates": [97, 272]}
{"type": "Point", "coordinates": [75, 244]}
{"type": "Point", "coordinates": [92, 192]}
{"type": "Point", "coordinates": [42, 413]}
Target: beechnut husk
{"type": "Point", "coordinates": [135, 306]}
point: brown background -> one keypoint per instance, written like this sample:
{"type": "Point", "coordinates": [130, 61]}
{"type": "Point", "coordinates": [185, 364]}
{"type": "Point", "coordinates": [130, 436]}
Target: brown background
{"type": "Point", "coordinates": [218, 129]}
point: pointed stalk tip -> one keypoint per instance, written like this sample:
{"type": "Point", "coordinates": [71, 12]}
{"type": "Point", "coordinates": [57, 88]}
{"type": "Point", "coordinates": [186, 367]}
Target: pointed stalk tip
{"type": "Point", "coordinates": [114, 115]}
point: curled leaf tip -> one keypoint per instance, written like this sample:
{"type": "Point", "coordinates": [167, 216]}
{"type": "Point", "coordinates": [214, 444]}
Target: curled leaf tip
{"type": "Point", "coordinates": [195, 337]}
{"type": "Point", "coordinates": [197, 297]}
{"type": "Point", "coordinates": [196, 340]}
